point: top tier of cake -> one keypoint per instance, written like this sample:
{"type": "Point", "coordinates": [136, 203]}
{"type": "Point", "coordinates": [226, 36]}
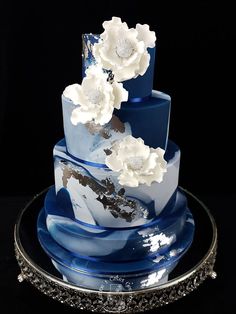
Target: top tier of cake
{"type": "Point", "coordinates": [139, 88]}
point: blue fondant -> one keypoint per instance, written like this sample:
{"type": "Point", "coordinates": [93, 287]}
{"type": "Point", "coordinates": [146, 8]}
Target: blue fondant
{"type": "Point", "coordinates": [148, 120]}
{"type": "Point", "coordinates": [60, 205]}
{"type": "Point", "coordinates": [171, 150]}
{"type": "Point", "coordinates": [139, 99]}
{"type": "Point", "coordinates": [142, 85]}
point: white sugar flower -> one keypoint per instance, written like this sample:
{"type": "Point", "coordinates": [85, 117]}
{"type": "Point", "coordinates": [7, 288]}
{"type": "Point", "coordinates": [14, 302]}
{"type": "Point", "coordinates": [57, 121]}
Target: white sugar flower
{"type": "Point", "coordinates": [123, 50]}
{"type": "Point", "coordinates": [96, 97]}
{"type": "Point", "coordinates": [136, 162]}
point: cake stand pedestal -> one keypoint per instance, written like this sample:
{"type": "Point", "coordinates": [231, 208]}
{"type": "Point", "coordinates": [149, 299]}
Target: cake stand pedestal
{"type": "Point", "coordinates": [194, 268]}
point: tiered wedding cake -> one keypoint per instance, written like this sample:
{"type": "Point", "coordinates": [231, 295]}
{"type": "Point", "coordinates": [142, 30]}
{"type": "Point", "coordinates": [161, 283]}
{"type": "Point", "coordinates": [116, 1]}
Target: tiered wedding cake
{"type": "Point", "coordinates": [116, 209]}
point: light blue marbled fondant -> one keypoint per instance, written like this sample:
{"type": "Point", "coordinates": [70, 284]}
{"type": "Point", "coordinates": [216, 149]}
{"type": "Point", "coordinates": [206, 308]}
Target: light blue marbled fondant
{"type": "Point", "coordinates": [84, 143]}
{"type": "Point", "coordinates": [88, 206]}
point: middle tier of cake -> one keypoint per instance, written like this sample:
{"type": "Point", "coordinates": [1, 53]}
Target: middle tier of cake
{"type": "Point", "coordinates": [147, 118]}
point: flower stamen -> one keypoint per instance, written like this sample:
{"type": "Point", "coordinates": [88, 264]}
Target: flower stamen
{"type": "Point", "coordinates": [135, 163]}
{"type": "Point", "coordinates": [94, 96]}
{"type": "Point", "coordinates": [124, 48]}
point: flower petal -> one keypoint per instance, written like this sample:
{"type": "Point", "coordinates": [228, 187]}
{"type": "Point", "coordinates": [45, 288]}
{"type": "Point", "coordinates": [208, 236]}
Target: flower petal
{"type": "Point", "coordinates": [80, 116]}
{"type": "Point", "coordinates": [145, 35]}
{"type": "Point", "coordinates": [73, 92]}
{"type": "Point", "coordinates": [113, 162]}
{"type": "Point", "coordinates": [120, 94]}
{"type": "Point", "coordinates": [144, 63]}
{"type": "Point", "coordinates": [128, 179]}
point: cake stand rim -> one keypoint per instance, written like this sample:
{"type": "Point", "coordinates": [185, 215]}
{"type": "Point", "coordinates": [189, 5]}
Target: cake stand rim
{"type": "Point", "coordinates": [20, 252]}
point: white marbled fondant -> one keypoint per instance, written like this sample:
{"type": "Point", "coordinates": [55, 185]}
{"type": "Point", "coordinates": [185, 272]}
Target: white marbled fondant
{"type": "Point", "coordinates": [149, 200]}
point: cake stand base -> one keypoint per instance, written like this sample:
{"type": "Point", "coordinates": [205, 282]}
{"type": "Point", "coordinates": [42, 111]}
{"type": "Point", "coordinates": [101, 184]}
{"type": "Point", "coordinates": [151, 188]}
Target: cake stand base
{"type": "Point", "coordinates": [36, 267]}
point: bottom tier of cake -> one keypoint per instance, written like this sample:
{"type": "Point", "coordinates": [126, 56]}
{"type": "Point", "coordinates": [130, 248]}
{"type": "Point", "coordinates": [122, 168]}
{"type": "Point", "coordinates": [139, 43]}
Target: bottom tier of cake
{"type": "Point", "coordinates": [116, 259]}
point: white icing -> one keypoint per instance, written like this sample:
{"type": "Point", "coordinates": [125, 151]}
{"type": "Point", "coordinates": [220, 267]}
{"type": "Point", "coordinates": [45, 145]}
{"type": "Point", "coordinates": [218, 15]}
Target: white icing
{"type": "Point", "coordinates": [123, 50]}
{"type": "Point", "coordinates": [95, 98]}
{"type": "Point", "coordinates": [145, 35]}
{"type": "Point", "coordinates": [136, 162]}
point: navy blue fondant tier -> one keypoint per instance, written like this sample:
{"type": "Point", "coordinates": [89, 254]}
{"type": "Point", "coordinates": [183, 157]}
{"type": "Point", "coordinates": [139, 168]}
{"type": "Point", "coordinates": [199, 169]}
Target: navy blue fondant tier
{"type": "Point", "coordinates": [97, 198]}
{"type": "Point", "coordinates": [139, 87]}
{"type": "Point", "coordinates": [86, 255]}
{"type": "Point", "coordinates": [148, 120]}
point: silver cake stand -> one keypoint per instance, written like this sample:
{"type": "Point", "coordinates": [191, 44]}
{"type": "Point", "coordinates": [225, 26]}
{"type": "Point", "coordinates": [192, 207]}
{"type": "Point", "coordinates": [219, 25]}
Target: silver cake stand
{"type": "Point", "coordinates": [193, 269]}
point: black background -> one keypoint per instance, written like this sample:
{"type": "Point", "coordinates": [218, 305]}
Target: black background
{"type": "Point", "coordinates": [40, 54]}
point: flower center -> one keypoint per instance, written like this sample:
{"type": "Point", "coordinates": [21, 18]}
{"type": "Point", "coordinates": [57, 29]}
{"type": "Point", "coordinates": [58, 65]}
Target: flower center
{"type": "Point", "coordinates": [135, 163]}
{"type": "Point", "coordinates": [124, 48]}
{"type": "Point", "coordinates": [94, 96]}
